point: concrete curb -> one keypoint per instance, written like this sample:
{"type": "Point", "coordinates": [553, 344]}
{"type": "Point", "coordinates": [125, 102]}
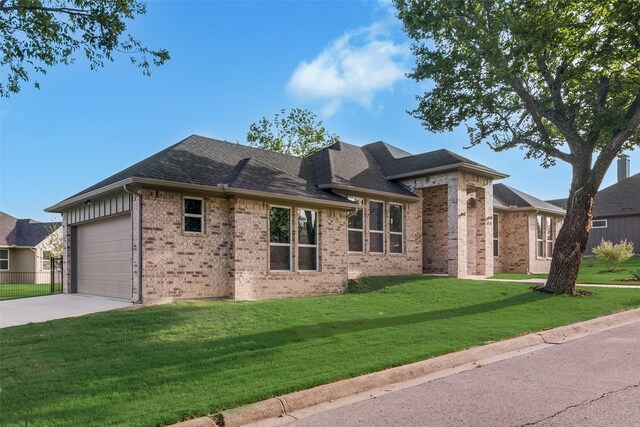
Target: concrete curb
{"type": "Point", "coordinates": [282, 405]}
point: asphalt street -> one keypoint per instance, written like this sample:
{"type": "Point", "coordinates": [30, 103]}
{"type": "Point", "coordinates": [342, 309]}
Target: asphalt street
{"type": "Point", "coordinates": [591, 381]}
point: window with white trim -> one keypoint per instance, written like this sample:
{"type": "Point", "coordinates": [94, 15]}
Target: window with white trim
{"type": "Point", "coordinates": [549, 232]}
{"type": "Point", "coordinates": [599, 223]}
{"type": "Point", "coordinates": [496, 234]}
{"type": "Point", "coordinates": [307, 240]}
{"type": "Point", "coordinates": [540, 236]}
{"type": "Point", "coordinates": [376, 227]}
{"type": "Point", "coordinates": [395, 229]}
{"type": "Point", "coordinates": [46, 261]}
{"type": "Point", "coordinates": [356, 228]}
{"type": "Point", "coordinates": [279, 239]}
{"type": "Point", "coordinates": [4, 259]}
{"type": "Point", "coordinates": [193, 215]}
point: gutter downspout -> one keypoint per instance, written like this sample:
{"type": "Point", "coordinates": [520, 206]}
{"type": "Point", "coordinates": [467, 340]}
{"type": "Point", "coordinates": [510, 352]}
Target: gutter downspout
{"type": "Point", "coordinates": [137, 193]}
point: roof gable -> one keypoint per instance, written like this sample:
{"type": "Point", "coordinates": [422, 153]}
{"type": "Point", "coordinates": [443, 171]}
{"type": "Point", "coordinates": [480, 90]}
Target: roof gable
{"type": "Point", "coordinates": [23, 232]}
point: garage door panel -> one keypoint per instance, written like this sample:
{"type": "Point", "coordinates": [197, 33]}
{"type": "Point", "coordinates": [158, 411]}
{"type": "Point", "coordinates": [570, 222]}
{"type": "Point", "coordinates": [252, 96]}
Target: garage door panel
{"type": "Point", "coordinates": [104, 258]}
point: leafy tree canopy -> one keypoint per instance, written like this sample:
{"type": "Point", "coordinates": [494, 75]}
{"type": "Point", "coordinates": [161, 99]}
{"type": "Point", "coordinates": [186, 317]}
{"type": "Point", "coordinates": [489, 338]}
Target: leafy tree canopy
{"type": "Point", "coordinates": [544, 75]}
{"type": "Point", "coordinates": [297, 133]}
{"type": "Point", "coordinates": [38, 34]}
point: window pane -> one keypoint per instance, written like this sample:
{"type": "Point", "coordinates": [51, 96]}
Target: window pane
{"type": "Point", "coordinates": [356, 243]}
{"type": "Point", "coordinates": [496, 225]}
{"type": "Point", "coordinates": [495, 248]}
{"type": "Point", "coordinates": [280, 225]}
{"type": "Point", "coordinates": [395, 240]}
{"type": "Point", "coordinates": [540, 248]}
{"type": "Point", "coordinates": [376, 217]}
{"type": "Point", "coordinates": [279, 258]}
{"type": "Point", "coordinates": [395, 218]}
{"type": "Point", "coordinates": [4, 264]}
{"type": "Point", "coordinates": [376, 242]}
{"type": "Point", "coordinates": [307, 258]}
{"type": "Point", "coordinates": [307, 227]}
{"type": "Point", "coordinates": [539, 226]}
{"type": "Point", "coordinates": [4, 254]}
{"type": "Point", "coordinates": [193, 206]}
{"type": "Point", "coordinates": [548, 228]}
{"type": "Point", "coordinates": [549, 249]}
{"type": "Point", "coordinates": [356, 220]}
{"type": "Point", "coordinates": [193, 224]}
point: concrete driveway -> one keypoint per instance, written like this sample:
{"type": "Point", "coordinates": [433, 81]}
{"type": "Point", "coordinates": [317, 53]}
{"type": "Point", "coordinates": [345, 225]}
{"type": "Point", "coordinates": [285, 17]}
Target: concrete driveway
{"type": "Point", "coordinates": [41, 309]}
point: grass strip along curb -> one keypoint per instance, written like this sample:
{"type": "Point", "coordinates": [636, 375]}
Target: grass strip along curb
{"type": "Point", "coordinates": [282, 405]}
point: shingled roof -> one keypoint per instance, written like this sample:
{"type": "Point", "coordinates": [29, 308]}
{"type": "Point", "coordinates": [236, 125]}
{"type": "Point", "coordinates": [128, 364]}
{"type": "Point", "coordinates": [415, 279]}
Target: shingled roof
{"type": "Point", "coordinates": [212, 163]}
{"type": "Point", "coordinates": [508, 197]}
{"type": "Point", "coordinates": [23, 232]}
{"type": "Point", "coordinates": [619, 199]}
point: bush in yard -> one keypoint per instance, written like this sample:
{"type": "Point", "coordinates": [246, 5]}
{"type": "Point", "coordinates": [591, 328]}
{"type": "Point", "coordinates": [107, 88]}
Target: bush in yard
{"type": "Point", "coordinates": [611, 254]}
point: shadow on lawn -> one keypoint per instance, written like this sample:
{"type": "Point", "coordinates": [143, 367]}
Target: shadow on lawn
{"type": "Point", "coordinates": [365, 285]}
{"type": "Point", "coordinates": [225, 362]}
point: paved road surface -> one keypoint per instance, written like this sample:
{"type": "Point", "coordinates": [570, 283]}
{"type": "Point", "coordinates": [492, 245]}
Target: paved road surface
{"type": "Point", "coordinates": [592, 381]}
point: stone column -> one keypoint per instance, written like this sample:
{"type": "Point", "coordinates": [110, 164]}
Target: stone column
{"type": "Point", "coordinates": [457, 193]}
{"type": "Point", "coordinates": [485, 209]}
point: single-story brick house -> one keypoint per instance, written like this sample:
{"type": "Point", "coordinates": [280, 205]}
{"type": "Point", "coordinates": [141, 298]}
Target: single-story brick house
{"type": "Point", "coordinates": [26, 249]}
{"type": "Point", "coordinates": [209, 218]}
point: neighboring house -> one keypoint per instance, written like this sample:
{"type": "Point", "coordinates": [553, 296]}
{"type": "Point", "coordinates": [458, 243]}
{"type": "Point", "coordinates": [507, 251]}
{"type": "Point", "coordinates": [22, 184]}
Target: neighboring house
{"type": "Point", "coordinates": [209, 218]}
{"type": "Point", "coordinates": [526, 228]}
{"type": "Point", "coordinates": [616, 210]}
{"type": "Point", "coordinates": [25, 249]}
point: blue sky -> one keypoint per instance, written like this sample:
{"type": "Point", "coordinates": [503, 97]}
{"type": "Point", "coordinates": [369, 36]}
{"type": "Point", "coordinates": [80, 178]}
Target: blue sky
{"type": "Point", "coordinates": [232, 63]}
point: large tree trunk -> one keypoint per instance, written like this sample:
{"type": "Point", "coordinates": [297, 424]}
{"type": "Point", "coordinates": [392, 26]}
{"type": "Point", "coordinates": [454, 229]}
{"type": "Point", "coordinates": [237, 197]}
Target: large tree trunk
{"type": "Point", "coordinates": [574, 235]}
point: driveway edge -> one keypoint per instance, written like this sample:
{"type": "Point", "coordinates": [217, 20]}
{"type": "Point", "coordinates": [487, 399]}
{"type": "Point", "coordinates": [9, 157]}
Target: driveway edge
{"type": "Point", "coordinates": [285, 404]}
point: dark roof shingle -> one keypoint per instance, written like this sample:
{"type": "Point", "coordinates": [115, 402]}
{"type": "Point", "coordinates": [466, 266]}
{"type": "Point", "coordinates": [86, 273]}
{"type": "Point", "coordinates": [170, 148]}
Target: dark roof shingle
{"type": "Point", "coordinates": [23, 232]}
{"type": "Point", "coordinates": [211, 162]}
{"type": "Point", "coordinates": [506, 196]}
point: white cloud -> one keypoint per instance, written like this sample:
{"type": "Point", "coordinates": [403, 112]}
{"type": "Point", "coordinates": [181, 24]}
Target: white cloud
{"type": "Point", "coordinates": [354, 68]}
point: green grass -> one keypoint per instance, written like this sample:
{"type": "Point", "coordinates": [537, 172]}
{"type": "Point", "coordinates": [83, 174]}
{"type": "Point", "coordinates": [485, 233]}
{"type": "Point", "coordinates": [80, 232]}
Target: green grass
{"type": "Point", "coordinates": [24, 290]}
{"type": "Point", "coordinates": [591, 272]}
{"type": "Point", "coordinates": [159, 364]}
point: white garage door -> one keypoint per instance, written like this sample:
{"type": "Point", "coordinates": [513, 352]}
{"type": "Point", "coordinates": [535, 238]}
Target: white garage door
{"type": "Point", "coordinates": [104, 258]}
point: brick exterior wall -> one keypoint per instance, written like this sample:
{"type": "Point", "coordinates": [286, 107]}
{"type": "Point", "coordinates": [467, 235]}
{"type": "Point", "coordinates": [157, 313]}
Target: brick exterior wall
{"type": "Point", "coordinates": [448, 230]}
{"type": "Point", "coordinates": [253, 280]}
{"type": "Point", "coordinates": [176, 264]}
{"type": "Point", "coordinates": [517, 243]}
{"type": "Point", "coordinates": [435, 239]}
{"type": "Point", "coordinates": [376, 264]}
{"type": "Point", "coordinates": [513, 242]}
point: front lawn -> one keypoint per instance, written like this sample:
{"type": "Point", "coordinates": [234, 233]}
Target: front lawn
{"type": "Point", "coordinates": [159, 364]}
{"type": "Point", "coordinates": [591, 271]}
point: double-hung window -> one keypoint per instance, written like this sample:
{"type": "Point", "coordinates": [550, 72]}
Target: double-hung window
{"type": "Point", "coordinates": [496, 233]}
{"type": "Point", "coordinates": [193, 215]}
{"type": "Point", "coordinates": [356, 229]}
{"type": "Point", "coordinates": [549, 232]}
{"type": "Point", "coordinates": [395, 229]}
{"type": "Point", "coordinates": [46, 261]}
{"type": "Point", "coordinates": [376, 227]}
{"type": "Point", "coordinates": [307, 240]}
{"type": "Point", "coordinates": [279, 239]}
{"type": "Point", "coordinates": [540, 236]}
{"type": "Point", "coordinates": [4, 259]}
